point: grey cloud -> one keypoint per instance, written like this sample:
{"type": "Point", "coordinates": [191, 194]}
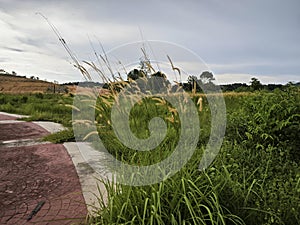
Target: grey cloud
{"type": "Point", "coordinates": [3, 59]}
{"type": "Point", "coordinates": [13, 49]}
{"type": "Point", "coordinates": [221, 32]}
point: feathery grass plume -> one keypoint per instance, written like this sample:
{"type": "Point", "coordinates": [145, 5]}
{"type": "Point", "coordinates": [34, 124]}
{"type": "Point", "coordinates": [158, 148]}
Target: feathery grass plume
{"type": "Point", "coordinates": [189, 197]}
{"type": "Point", "coordinates": [194, 89]}
{"type": "Point", "coordinates": [77, 64]}
{"type": "Point", "coordinates": [90, 134]}
{"type": "Point", "coordinates": [84, 122]}
{"type": "Point", "coordinates": [199, 102]}
{"type": "Point", "coordinates": [147, 60]}
{"type": "Point", "coordinates": [174, 69]}
{"type": "Point", "coordinates": [73, 107]}
{"type": "Point", "coordinates": [161, 101]}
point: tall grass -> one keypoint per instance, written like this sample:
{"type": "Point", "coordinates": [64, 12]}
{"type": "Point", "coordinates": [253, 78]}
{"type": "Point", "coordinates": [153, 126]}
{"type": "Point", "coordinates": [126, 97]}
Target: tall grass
{"type": "Point", "coordinates": [187, 198]}
{"type": "Point", "coordinates": [254, 180]}
{"type": "Point", "coordinates": [246, 184]}
{"type": "Point", "coordinates": [49, 107]}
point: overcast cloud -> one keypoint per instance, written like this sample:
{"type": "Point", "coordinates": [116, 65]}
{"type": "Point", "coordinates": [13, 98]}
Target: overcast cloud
{"type": "Point", "coordinates": [237, 39]}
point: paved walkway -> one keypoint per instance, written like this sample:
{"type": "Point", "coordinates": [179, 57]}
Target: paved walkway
{"type": "Point", "coordinates": [37, 177]}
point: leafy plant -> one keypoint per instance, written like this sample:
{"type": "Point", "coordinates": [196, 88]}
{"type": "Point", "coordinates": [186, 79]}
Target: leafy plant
{"type": "Point", "coordinates": [61, 136]}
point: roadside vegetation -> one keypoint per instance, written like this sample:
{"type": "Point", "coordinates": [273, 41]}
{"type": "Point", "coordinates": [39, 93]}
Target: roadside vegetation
{"type": "Point", "coordinates": [39, 106]}
{"type": "Point", "coordinates": [42, 107]}
{"type": "Point", "coordinates": [255, 179]}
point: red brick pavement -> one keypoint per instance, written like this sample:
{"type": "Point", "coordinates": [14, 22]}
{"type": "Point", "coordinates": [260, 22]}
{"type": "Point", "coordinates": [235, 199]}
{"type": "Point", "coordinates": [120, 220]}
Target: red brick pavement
{"type": "Point", "coordinates": [31, 174]}
{"type": "Point", "coordinates": [21, 130]}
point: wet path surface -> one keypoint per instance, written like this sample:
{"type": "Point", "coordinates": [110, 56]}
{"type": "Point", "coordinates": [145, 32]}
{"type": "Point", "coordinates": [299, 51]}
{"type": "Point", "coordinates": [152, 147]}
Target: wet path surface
{"type": "Point", "coordinates": [40, 174]}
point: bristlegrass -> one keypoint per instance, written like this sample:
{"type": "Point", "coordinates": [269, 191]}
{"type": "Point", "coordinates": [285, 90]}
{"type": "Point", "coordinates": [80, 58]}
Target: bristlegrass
{"type": "Point", "coordinates": [238, 188]}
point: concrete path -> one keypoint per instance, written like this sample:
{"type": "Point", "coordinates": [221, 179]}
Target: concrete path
{"type": "Point", "coordinates": [89, 179]}
{"type": "Point", "coordinates": [37, 177]}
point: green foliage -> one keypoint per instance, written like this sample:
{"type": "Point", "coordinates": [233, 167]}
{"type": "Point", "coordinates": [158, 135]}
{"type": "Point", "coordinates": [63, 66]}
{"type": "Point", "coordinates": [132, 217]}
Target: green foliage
{"type": "Point", "coordinates": [186, 198]}
{"type": "Point", "coordinates": [43, 107]}
{"type": "Point", "coordinates": [135, 74]}
{"type": "Point", "coordinates": [254, 180]}
{"type": "Point", "coordinates": [140, 116]}
{"type": "Point", "coordinates": [262, 155]}
{"type": "Point", "coordinates": [269, 120]}
{"type": "Point", "coordinates": [207, 77]}
{"type": "Point", "coordinates": [61, 136]}
{"type": "Point", "coordinates": [255, 84]}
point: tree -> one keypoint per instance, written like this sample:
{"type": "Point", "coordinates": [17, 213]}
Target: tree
{"type": "Point", "coordinates": [193, 83]}
{"type": "Point", "coordinates": [159, 74]}
{"type": "Point", "coordinates": [135, 74]}
{"type": "Point", "coordinates": [157, 82]}
{"type": "Point", "coordinates": [192, 79]}
{"type": "Point", "coordinates": [207, 77]}
{"type": "Point", "coordinates": [14, 73]}
{"type": "Point", "coordinates": [255, 84]}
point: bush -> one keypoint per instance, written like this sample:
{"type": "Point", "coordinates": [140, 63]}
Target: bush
{"type": "Point", "coordinates": [61, 136]}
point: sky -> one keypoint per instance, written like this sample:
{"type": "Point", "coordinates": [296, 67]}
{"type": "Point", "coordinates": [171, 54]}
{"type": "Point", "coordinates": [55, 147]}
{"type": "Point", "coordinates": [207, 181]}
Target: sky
{"type": "Point", "coordinates": [236, 39]}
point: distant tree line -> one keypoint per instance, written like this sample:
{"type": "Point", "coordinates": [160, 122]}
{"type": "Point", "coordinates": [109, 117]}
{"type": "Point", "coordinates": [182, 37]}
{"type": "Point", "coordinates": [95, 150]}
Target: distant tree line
{"type": "Point", "coordinates": [254, 86]}
{"type": "Point", "coordinates": [206, 79]}
{"type": "Point", "coordinates": [84, 84]}
{"type": "Point", "coordinates": [193, 83]}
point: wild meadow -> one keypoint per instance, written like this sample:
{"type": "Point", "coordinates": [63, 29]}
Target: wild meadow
{"type": "Point", "coordinates": [254, 179]}
{"type": "Point", "coordinates": [42, 107]}
{"type": "Point", "coordinates": [39, 106]}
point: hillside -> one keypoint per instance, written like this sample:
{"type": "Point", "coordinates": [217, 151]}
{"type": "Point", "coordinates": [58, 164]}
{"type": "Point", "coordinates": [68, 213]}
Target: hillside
{"type": "Point", "coordinates": [20, 84]}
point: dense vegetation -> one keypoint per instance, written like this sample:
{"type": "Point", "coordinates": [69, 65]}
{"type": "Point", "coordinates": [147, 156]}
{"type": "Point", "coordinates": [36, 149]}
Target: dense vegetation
{"type": "Point", "coordinates": [207, 78]}
{"type": "Point", "coordinates": [255, 179]}
{"type": "Point", "coordinates": [39, 106]}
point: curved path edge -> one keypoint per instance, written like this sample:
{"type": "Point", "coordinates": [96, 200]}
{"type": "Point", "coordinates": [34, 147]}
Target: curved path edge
{"type": "Point", "coordinates": [88, 178]}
